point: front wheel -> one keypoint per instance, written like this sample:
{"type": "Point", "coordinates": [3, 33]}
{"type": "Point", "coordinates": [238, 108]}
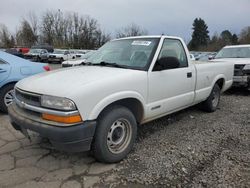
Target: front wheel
{"type": "Point", "coordinates": [212, 102]}
{"type": "Point", "coordinates": [115, 134]}
{"type": "Point", "coordinates": [6, 97]}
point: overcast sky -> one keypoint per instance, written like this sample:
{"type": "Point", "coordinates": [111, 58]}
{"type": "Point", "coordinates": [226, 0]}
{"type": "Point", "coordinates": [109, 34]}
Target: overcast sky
{"type": "Point", "coordinates": [172, 17]}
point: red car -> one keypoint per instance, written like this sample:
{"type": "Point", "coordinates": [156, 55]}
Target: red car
{"type": "Point", "coordinates": [23, 50]}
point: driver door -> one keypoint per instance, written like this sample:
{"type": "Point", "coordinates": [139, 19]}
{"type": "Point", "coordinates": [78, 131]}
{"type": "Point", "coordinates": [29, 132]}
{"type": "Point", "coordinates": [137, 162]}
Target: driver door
{"type": "Point", "coordinates": [171, 89]}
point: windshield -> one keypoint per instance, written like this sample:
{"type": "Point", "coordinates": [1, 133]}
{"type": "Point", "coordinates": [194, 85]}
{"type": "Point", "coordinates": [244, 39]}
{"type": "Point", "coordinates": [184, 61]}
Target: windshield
{"type": "Point", "coordinates": [59, 52]}
{"type": "Point", "coordinates": [35, 50]}
{"type": "Point", "coordinates": [130, 53]}
{"type": "Point", "coordinates": [237, 52]}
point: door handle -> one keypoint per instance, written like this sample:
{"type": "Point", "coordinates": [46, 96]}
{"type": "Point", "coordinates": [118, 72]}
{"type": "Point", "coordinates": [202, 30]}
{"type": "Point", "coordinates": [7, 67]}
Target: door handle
{"type": "Point", "coordinates": [189, 74]}
{"type": "Point", "coordinates": [2, 70]}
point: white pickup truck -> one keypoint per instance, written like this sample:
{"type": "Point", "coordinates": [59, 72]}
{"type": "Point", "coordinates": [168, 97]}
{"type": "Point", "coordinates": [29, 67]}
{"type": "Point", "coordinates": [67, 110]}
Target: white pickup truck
{"type": "Point", "coordinates": [60, 55]}
{"type": "Point", "coordinates": [239, 55]}
{"type": "Point", "coordinates": [127, 82]}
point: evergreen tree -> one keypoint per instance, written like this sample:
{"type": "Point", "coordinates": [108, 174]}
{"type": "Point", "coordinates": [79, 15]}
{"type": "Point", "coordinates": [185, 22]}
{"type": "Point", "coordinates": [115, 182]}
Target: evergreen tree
{"type": "Point", "coordinates": [235, 39]}
{"type": "Point", "coordinates": [226, 37]}
{"type": "Point", "coordinates": [200, 37]}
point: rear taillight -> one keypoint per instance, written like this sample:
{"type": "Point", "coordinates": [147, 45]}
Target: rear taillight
{"type": "Point", "coordinates": [47, 68]}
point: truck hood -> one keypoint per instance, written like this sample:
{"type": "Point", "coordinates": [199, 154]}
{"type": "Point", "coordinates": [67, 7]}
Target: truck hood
{"type": "Point", "coordinates": [236, 61]}
{"type": "Point", "coordinates": [63, 82]}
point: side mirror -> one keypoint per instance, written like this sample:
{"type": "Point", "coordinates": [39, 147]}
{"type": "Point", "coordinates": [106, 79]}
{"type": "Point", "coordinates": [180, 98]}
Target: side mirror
{"type": "Point", "coordinates": [210, 57]}
{"type": "Point", "coordinates": [167, 63]}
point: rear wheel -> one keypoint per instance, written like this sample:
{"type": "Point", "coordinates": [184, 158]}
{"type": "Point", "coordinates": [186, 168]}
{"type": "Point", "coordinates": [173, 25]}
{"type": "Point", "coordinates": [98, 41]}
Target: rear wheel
{"type": "Point", "coordinates": [212, 102]}
{"type": "Point", "coordinates": [115, 134]}
{"type": "Point", "coordinates": [6, 97]}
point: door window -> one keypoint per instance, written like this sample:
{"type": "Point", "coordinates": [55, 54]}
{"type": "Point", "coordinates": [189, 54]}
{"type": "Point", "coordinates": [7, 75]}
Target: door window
{"type": "Point", "coordinates": [173, 48]}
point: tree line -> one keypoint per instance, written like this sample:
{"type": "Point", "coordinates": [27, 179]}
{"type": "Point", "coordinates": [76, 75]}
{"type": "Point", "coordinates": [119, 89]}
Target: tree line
{"type": "Point", "coordinates": [71, 30]}
{"type": "Point", "coordinates": [201, 40]}
{"type": "Point", "coordinates": [62, 30]}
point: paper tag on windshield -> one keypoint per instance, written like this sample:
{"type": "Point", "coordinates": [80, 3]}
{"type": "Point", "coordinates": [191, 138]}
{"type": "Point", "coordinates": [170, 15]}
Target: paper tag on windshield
{"type": "Point", "coordinates": [141, 43]}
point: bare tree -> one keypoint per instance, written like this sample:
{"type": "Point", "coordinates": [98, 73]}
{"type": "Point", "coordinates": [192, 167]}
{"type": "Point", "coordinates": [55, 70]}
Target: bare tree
{"type": "Point", "coordinates": [6, 39]}
{"type": "Point", "coordinates": [131, 30]}
{"type": "Point", "coordinates": [245, 36]}
{"type": "Point", "coordinates": [101, 38]}
{"type": "Point", "coordinates": [34, 23]}
{"type": "Point", "coordinates": [71, 30]}
{"type": "Point", "coordinates": [25, 35]}
{"type": "Point", "coordinates": [47, 28]}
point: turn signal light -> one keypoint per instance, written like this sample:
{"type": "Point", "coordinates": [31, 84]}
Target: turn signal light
{"type": "Point", "coordinates": [62, 119]}
{"type": "Point", "coordinates": [46, 67]}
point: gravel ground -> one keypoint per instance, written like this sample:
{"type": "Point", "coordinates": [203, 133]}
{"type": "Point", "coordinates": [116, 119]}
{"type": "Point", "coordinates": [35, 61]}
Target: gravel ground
{"type": "Point", "coordinates": [190, 148]}
{"type": "Point", "coordinates": [194, 149]}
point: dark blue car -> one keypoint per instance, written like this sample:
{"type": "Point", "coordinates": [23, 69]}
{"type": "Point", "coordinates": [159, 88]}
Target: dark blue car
{"type": "Point", "coordinates": [13, 69]}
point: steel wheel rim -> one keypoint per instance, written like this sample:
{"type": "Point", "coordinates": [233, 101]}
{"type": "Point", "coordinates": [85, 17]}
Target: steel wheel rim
{"type": "Point", "coordinates": [119, 136]}
{"type": "Point", "coordinates": [9, 97]}
{"type": "Point", "coordinates": [215, 99]}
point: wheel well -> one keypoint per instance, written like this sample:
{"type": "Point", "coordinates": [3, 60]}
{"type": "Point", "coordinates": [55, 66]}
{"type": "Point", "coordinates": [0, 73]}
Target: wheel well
{"type": "Point", "coordinates": [220, 83]}
{"type": "Point", "coordinates": [9, 84]}
{"type": "Point", "coordinates": [134, 105]}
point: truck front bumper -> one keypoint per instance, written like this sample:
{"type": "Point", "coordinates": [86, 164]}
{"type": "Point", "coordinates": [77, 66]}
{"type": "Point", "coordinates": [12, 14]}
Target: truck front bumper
{"type": "Point", "coordinates": [76, 138]}
{"type": "Point", "coordinates": [241, 81]}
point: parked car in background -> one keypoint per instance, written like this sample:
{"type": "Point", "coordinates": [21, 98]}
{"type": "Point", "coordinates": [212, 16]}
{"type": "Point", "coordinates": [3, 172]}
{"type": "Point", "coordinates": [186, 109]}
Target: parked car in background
{"type": "Point", "coordinates": [77, 62]}
{"type": "Point", "coordinates": [212, 55]}
{"type": "Point", "coordinates": [60, 55]}
{"type": "Point", "coordinates": [192, 57]}
{"type": "Point", "coordinates": [13, 69]}
{"type": "Point", "coordinates": [127, 82]}
{"type": "Point", "coordinates": [239, 55]}
{"type": "Point", "coordinates": [80, 53]}
{"type": "Point", "coordinates": [15, 51]}
{"type": "Point", "coordinates": [37, 55]}
{"type": "Point", "coordinates": [23, 50]}
{"type": "Point", "coordinates": [49, 48]}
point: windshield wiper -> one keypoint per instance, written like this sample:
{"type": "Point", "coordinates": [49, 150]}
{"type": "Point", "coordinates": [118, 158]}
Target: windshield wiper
{"type": "Point", "coordinates": [104, 63]}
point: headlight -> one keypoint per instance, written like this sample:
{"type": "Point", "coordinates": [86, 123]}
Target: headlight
{"type": "Point", "coordinates": [246, 69]}
{"type": "Point", "coordinates": [58, 103]}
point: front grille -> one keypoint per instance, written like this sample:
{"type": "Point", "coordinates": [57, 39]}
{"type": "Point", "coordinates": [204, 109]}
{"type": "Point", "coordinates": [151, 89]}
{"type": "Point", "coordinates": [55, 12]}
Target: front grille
{"type": "Point", "coordinates": [238, 70]}
{"type": "Point", "coordinates": [52, 56]}
{"type": "Point", "coordinates": [28, 98]}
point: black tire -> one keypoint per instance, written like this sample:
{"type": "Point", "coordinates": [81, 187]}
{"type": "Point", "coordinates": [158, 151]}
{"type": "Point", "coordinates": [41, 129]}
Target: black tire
{"type": "Point", "coordinates": [108, 127]}
{"type": "Point", "coordinates": [3, 92]}
{"type": "Point", "coordinates": [212, 102]}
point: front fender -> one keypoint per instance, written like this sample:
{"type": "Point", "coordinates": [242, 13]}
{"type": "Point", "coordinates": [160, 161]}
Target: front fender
{"type": "Point", "coordinates": [99, 107]}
